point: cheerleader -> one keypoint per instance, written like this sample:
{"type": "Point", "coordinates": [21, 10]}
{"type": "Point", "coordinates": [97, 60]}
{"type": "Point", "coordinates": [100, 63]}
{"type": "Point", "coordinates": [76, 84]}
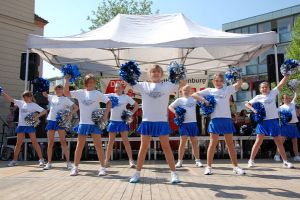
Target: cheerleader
{"type": "Point", "coordinates": [189, 128]}
{"type": "Point", "coordinates": [270, 125]}
{"type": "Point", "coordinates": [155, 98]}
{"type": "Point", "coordinates": [290, 130]}
{"type": "Point", "coordinates": [26, 107]}
{"type": "Point", "coordinates": [221, 121]}
{"type": "Point", "coordinates": [117, 125]}
{"type": "Point", "coordinates": [57, 102]}
{"type": "Point", "coordinates": [89, 100]}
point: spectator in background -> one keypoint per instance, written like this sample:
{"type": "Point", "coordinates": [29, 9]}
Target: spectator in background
{"type": "Point", "coordinates": [10, 118]}
{"type": "Point", "coordinates": [233, 108]}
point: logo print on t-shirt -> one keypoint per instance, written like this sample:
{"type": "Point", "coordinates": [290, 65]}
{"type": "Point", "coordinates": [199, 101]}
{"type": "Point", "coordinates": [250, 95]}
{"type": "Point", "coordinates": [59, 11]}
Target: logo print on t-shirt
{"type": "Point", "coordinates": [189, 105]}
{"type": "Point", "coordinates": [155, 94]}
{"type": "Point", "coordinates": [24, 110]}
{"type": "Point", "coordinates": [87, 102]}
{"type": "Point", "coordinates": [269, 101]}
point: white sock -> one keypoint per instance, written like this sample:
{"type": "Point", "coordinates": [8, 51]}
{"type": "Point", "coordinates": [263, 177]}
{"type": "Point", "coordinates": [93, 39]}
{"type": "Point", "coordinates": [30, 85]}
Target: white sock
{"type": "Point", "coordinates": [138, 172]}
{"type": "Point", "coordinates": [173, 172]}
{"type": "Point", "coordinates": [285, 161]}
{"type": "Point", "coordinates": [180, 161]}
{"type": "Point", "coordinates": [76, 167]}
{"type": "Point", "coordinates": [197, 160]}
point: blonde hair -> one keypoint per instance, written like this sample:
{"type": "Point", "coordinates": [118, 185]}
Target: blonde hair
{"type": "Point", "coordinates": [218, 75]}
{"type": "Point", "coordinates": [186, 87]}
{"type": "Point", "coordinates": [264, 83]}
{"type": "Point", "coordinates": [27, 93]}
{"type": "Point", "coordinates": [156, 67]}
{"type": "Point", "coordinates": [89, 77]}
{"type": "Point", "coordinates": [58, 87]}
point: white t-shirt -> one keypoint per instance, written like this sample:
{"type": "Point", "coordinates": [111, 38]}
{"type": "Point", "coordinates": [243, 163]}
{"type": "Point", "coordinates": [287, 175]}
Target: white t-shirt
{"type": "Point", "coordinates": [116, 112]}
{"type": "Point", "coordinates": [88, 102]}
{"type": "Point", "coordinates": [25, 109]}
{"type": "Point", "coordinates": [155, 99]}
{"type": "Point", "coordinates": [269, 102]}
{"type": "Point", "coordinates": [57, 103]}
{"type": "Point", "coordinates": [189, 104]}
{"type": "Point", "coordinates": [292, 109]}
{"type": "Point", "coordinates": [222, 96]}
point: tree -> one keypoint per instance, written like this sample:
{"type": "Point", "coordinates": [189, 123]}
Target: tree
{"type": "Point", "coordinates": [108, 9]}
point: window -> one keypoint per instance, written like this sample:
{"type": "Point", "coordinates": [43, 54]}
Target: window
{"type": "Point", "coordinates": [251, 69]}
{"type": "Point", "coordinates": [253, 29]}
{"type": "Point", "coordinates": [245, 30]}
{"type": "Point", "coordinates": [242, 96]}
{"type": "Point", "coordinates": [237, 30]}
{"type": "Point", "coordinates": [284, 27]}
{"type": "Point", "coordinates": [263, 68]}
{"type": "Point", "coordinates": [264, 27]}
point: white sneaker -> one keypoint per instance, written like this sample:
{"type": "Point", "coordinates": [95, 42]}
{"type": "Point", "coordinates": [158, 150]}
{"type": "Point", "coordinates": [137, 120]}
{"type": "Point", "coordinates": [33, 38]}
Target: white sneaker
{"type": "Point", "coordinates": [297, 158]}
{"type": "Point", "coordinates": [198, 163]}
{"type": "Point", "coordinates": [48, 166]}
{"type": "Point", "coordinates": [208, 171]}
{"type": "Point", "coordinates": [41, 162]}
{"type": "Point", "coordinates": [179, 164]}
{"type": "Point", "coordinates": [132, 164]}
{"type": "Point", "coordinates": [251, 163]}
{"type": "Point", "coordinates": [69, 165]}
{"type": "Point", "coordinates": [136, 177]}
{"type": "Point", "coordinates": [12, 163]}
{"type": "Point", "coordinates": [239, 171]}
{"type": "Point", "coordinates": [277, 158]}
{"type": "Point", "coordinates": [288, 165]}
{"type": "Point", "coordinates": [174, 178]}
{"type": "Point", "coordinates": [74, 171]}
{"type": "Point", "coordinates": [102, 171]}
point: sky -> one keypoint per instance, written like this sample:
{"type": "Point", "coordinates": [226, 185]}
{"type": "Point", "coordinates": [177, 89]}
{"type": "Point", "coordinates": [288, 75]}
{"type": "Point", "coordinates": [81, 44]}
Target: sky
{"type": "Point", "coordinates": [69, 17]}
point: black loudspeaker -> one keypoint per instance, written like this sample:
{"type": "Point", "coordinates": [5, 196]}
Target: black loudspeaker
{"type": "Point", "coordinates": [33, 64]}
{"type": "Point", "coordinates": [271, 66]}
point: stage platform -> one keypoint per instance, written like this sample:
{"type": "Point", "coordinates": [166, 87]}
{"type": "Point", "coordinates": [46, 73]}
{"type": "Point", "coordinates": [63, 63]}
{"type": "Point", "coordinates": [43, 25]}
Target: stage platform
{"type": "Point", "coordinates": [267, 181]}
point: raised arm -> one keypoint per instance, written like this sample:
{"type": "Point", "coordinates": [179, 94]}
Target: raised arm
{"type": "Point", "coordinates": [108, 108]}
{"type": "Point", "coordinates": [249, 106]}
{"type": "Point", "coordinates": [7, 97]}
{"type": "Point", "coordinates": [66, 86]}
{"type": "Point", "coordinates": [172, 109]}
{"type": "Point", "coordinates": [182, 83]}
{"type": "Point", "coordinates": [135, 108]}
{"type": "Point", "coordinates": [295, 97]}
{"type": "Point", "coordinates": [199, 98]}
{"type": "Point", "coordinates": [282, 82]}
{"type": "Point", "coordinates": [238, 85]}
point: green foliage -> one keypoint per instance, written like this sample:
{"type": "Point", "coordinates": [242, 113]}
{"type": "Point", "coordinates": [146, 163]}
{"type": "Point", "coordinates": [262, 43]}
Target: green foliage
{"type": "Point", "coordinates": [108, 9]}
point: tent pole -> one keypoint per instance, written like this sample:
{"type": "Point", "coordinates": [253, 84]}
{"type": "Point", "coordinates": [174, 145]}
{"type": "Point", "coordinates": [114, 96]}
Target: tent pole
{"type": "Point", "coordinates": [276, 64]}
{"type": "Point", "coordinates": [26, 69]}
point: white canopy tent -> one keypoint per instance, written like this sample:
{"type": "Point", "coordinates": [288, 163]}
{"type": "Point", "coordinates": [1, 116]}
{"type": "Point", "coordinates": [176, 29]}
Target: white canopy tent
{"type": "Point", "coordinates": [152, 39]}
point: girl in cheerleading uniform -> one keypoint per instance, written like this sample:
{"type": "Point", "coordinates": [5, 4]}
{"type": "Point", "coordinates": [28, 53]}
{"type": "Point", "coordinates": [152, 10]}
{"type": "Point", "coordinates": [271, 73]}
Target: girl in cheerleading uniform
{"type": "Point", "coordinates": [58, 103]}
{"type": "Point", "coordinates": [290, 130]}
{"type": "Point", "coordinates": [117, 125]}
{"type": "Point", "coordinates": [221, 122]}
{"type": "Point", "coordinates": [155, 97]}
{"type": "Point", "coordinates": [26, 107]}
{"type": "Point", "coordinates": [270, 125]}
{"type": "Point", "coordinates": [189, 127]}
{"type": "Point", "coordinates": [89, 100]}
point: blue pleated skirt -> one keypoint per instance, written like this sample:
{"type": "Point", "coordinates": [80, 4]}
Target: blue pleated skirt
{"type": "Point", "coordinates": [86, 129]}
{"type": "Point", "coordinates": [154, 129]}
{"type": "Point", "coordinates": [117, 127]}
{"type": "Point", "coordinates": [25, 129]}
{"type": "Point", "coordinates": [221, 126]}
{"type": "Point", "coordinates": [189, 129]}
{"type": "Point", "coordinates": [53, 126]}
{"type": "Point", "coordinates": [290, 131]}
{"type": "Point", "coordinates": [269, 127]}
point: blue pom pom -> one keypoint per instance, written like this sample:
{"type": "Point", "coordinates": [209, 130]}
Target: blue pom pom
{"type": "Point", "coordinates": [41, 84]}
{"type": "Point", "coordinates": [30, 120]}
{"type": "Point", "coordinates": [180, 112]}
{"type": "Point", "coordinates": [260, 114]}
{"type": "Point", "coordinates": [130, 72]}
{"type": "Point", "coordinates": [62, 118]}
{"type": "Point", "coordinates": [126, 116]}
{"type": "Point", "coordinates": [233, 75]}
{"type": "Point", "coordinates": [207, 110]}
{"type": "Point", "coordinates": [289, 67]}
{"type": "Point", "coordinates": [293, 84]}
{"type": "Point", "coordinates": [1, 90]}
{"type": "Point", "coordinates": [285, 116]}
{"type": "Point", "coordinates": [177, 72]}
{"type": "Point", "coordinates": [72, 70]}
{"type": "Point", "coordinates": [114, 101]}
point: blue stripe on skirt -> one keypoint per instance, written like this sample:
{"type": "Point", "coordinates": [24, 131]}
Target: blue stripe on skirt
{"type": "Point", "coordinates": [25, 129]}
{"type": "Point", "coordinates": [189, 129]}
{"type": "Point", "coordinates": [117, 126]}
{"type": "Point", "coordinates": [154, 129]}
{"type": "Point", "coordinates": [86, 129]}
{"type": "Point", "coordinates": [53, 126]}
{"type": "Point", "coordinates": [290, 131]}
{"type": "Point", "coordinates": [269, 127]}
{"type": "Point", "coordinates": [221, 126]}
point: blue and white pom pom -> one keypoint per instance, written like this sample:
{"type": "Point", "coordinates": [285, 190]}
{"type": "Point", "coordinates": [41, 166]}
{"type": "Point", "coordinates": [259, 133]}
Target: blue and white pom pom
{"type": "Point", "coordinates": [30, 120]}
{"type": "Point", "coordinates": [1, 90]}
{"type": "Point", "coordinates": [97, 117]}
{"type": "Point", "coordinates": [207, 110]}
{"type": "Point", "coordinates": [130, 72]}
{"type": "Point", "coordinates": [41, 84]}
{"type": "Point", "coordinates": [293, 84]}
{"type": "Point", "coordinates": [127, 116]}
{"type": "Point", "coordinates": [114, 101]}
{"type": "Point", "coordinates": [285, 116]}
{"type": "Point", "coordinates": [177, 72]}
{"type": "Point", "coordinates": [289, 67]}
{"type": "Point", "coordinates": [180, 112]}
{"type": "Point", "coordinates": [62, 118]}
{"type": "Point", "coordinates": [260, 114]}
{"type": "Point", "coordinates": [72, 70]}
{"type": "Point", "coordinates": [233, 75]}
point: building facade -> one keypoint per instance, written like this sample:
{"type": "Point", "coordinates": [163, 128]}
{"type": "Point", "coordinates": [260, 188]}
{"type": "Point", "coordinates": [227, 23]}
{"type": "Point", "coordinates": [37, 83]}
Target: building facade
{"type": "Point", "coordinates": [280, 21]}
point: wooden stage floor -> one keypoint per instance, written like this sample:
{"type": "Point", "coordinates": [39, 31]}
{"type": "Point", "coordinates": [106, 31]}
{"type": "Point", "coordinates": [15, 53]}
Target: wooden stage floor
{"type": "Point", "coordinates": [268, 181]}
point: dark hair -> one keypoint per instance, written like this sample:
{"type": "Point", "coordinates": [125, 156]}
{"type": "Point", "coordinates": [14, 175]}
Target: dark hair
{"type": "Point", "coordinates": [72, 87]}
{"type": "Point", "coordinates": [242, 112]}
